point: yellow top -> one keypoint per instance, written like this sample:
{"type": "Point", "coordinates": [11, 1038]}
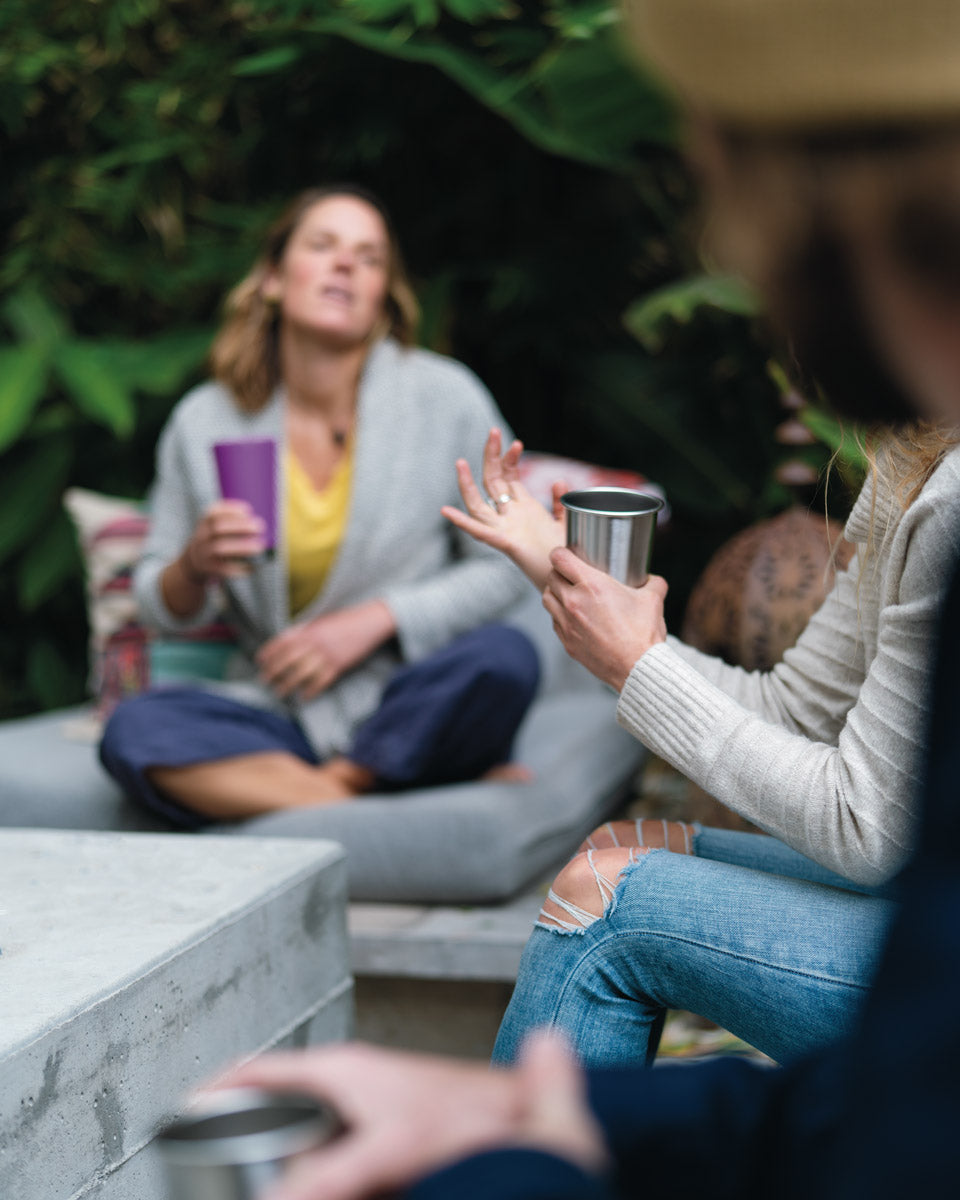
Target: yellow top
{"type": "Point", "coordinates": [316, 521]}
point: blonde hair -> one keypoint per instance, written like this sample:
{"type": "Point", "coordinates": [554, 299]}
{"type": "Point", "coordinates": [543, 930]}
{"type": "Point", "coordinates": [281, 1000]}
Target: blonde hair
{"type": "Point", "coordinates": [244, 356]}
{"type": "Point", "coordinates": [908, 456]}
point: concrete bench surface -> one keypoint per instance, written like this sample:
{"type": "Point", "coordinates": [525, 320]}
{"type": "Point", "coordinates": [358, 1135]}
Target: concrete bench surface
{"type": "Point", "coordinates": [134, 966]}
{"type": "Point", "coordinates": [422, 941]}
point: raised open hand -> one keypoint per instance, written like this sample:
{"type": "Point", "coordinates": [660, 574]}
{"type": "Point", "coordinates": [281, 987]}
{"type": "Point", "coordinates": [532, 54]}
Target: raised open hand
{"type": "Point", "coordinates": [509, 519]}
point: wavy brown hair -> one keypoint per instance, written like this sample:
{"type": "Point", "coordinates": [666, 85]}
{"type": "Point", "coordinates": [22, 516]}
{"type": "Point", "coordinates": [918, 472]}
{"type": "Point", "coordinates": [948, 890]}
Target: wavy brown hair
{"type": "Point", "coordinates": [245, 356]}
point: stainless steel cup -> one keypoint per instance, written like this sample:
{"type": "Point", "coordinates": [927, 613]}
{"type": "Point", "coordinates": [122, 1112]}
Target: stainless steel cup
{"type": "Point", "coordinates": [612, 529]}
{"type": "Point", "coordinates": [229, 1145]}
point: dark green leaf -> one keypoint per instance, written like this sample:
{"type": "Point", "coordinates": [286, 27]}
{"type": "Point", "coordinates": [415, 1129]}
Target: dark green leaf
{"type": "Point", "coordinates": [23, 376]}
{"type": "Point", "coordinates": [680, 302]}
{"type": "Point", "coordinates": [267, 63]}
{"type": "Point", "coordinates": [30, 492]}
{"type": "Point", "coordinates": [33, 318]}
{"type": "Point", "coordinates": [518, 98]}
{"type": "Point", "coordinates": [49, 560]}
{"type": "Point", "coordinates": [474, 11]}
{"type": "Point", "coordinates": [158, 367]}
{"type": "Point", "coordinates": [842, 439]}
{"type": "Point", "coordinates": [97, 393]}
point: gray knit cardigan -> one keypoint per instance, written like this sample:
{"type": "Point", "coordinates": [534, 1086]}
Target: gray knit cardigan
{"type": "Point", "coordinates": [824, 750]}
{"type": "Point", "coordinates": [417, 412]}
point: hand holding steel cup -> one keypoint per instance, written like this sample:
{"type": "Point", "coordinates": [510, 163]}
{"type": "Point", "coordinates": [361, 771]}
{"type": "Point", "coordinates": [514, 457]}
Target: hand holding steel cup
{"type": "Point", "coordinates": [611, 528]}
{"type": "Point", "coordinates": [231, 1144]}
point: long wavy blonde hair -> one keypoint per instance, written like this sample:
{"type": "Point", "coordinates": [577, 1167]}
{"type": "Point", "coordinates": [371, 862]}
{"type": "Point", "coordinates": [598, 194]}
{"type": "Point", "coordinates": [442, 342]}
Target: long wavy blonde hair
{"type": "Point", "coordinates": [244, 356]}
{"type": "Point", "coordinates": [908, 456]}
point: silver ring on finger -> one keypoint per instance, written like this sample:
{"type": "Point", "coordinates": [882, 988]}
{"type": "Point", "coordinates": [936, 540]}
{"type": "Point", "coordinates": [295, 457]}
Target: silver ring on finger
{"type": "Point", "coordinates": [503, 498]}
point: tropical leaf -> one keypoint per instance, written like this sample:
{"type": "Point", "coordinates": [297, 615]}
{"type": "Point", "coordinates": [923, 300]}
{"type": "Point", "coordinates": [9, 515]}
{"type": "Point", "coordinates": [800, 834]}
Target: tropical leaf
{"type": "Point", "coordinates": [159, 366]}
{"type": "Point", "coordinates": [28, 492]}
{"type": "Point", "coordinates": [475, 11]}
{"type": "Point", "coordinates": [842, 439]}
{"type": "Point", "coordinates": [33, 318]}
{"type": "Point", "coordinates": [97, 393]}
{"type": "Point", "coordinates": [583, 20]}
{"type": "Point", "coordinates": [533, 100]}
{"type": "Point", "coordinates": [681, 301]}
{"type": "Point", "coordinates": [23, 377]}
{"type": "Point", "coordinates": [597, 100]}
{"type": "Point", "coordinates": [49, 560]}
{"type": "Point", "coordinates": [269, 62]}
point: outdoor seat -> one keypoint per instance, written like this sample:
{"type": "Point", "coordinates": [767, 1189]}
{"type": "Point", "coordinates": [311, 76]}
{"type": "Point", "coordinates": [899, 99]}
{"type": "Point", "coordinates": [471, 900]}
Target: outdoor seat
{"type": "Point", "coordinates": [471, 842]}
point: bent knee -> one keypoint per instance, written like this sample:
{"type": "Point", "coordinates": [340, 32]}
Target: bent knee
{"type": "Point", "coordinates": [650, 832]}
{"type": "Point", "coordinates": [122, 726]}
{"type": "Point", "coordinates": [509, 657]}
{"type": "Point", "coordinates": [584, 887]}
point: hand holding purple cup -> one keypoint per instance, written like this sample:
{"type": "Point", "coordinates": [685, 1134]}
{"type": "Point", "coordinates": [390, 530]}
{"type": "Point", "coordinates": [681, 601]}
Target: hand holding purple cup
{"type": "Point", "coordinates": [247, 470]}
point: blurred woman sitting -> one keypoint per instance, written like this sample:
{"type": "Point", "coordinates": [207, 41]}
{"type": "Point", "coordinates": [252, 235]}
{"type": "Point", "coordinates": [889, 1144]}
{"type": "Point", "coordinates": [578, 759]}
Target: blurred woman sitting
{"type": "Point", "coordinates": [369, 660]}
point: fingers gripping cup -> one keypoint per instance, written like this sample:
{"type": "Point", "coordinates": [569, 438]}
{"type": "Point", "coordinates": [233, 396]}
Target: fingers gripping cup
{"type": "Point", "coordinates": [230, 1145]}
{"type": "Point", "coordinates": [248, 471]}
{"type": "Point", "coordinates": [612, 529]}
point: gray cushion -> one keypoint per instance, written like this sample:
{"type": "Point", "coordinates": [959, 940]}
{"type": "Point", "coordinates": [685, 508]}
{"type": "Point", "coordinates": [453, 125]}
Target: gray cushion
{"type": "Point", "coordinates": [463, 843]}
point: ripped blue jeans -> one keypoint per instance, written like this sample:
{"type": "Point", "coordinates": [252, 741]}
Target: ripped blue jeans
{"type": "Point", "coordinates": [746, 932]}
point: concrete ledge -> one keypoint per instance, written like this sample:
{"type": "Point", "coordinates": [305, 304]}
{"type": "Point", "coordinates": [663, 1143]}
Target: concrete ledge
{"type": "Point", "coordinates": [134, 966]}
{"type": "Point", "coordinates": [437, 978]}
{"type": "Point", "coordinates": [422, 941]}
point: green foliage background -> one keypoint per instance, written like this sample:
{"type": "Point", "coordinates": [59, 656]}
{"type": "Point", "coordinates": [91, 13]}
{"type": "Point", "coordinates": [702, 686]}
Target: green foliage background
{"type": "Point", "coordinates": [534, 176]}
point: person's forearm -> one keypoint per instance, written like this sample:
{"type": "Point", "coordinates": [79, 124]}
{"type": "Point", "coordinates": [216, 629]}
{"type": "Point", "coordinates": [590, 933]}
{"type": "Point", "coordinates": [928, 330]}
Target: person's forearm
{"type": "Point", "coordinates": [378, 621]}
{"type": "Point", "coordinates": [183, 589]}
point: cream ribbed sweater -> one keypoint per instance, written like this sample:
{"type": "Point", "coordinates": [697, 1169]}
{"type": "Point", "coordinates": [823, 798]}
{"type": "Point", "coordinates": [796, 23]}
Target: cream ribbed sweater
{"type": "Point", "coordinates": [822, 751]}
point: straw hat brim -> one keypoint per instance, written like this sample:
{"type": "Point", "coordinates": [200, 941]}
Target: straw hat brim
{"type": "Point", "coordinates": [774, 64]}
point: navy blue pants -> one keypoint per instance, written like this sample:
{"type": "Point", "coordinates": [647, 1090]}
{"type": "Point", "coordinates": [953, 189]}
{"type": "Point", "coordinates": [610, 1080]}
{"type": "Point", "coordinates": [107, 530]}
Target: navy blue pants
{"type": "Point", "coordinates": [445, 719]}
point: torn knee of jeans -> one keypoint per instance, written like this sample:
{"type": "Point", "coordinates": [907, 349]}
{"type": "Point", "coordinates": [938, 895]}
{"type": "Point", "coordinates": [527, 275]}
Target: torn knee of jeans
{"type": "Point", "coordinates": [560, 914]}
{"type": "Point", "coordinates": [653, 832]}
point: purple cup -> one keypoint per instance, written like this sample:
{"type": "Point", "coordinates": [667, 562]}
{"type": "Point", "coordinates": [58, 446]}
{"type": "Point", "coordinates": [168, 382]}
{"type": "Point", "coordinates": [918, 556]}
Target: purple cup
{"type": "Point", "coordinates": [248, 471]}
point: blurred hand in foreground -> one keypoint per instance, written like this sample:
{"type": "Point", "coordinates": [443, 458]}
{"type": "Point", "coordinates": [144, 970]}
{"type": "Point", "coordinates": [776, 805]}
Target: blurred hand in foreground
{"type": "Point", "coordinates": [407, 1115]}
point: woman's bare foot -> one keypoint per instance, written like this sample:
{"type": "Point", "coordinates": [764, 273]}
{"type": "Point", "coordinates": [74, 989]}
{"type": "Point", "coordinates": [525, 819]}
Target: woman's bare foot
{"type": "Point", "coordinates": [508, 772]}
{"type": "Point", "coordinates": [339, 779]}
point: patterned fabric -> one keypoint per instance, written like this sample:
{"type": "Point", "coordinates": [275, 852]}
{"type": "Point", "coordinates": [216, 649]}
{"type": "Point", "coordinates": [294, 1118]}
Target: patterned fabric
{"type": "Point", "coordinates": [124, 657]}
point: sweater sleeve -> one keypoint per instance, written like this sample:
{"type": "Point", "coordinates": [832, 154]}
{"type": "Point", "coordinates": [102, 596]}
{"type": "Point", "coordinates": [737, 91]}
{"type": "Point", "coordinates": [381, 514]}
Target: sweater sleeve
{"type": "Point", "coordinates": [511, 1174]}
{"type": "Point", "coordinates": [823, 751]}
{"type": "Point", "coordinates": [172, 518]}
{"type": "Point", "coordinates": [727, 1129]}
